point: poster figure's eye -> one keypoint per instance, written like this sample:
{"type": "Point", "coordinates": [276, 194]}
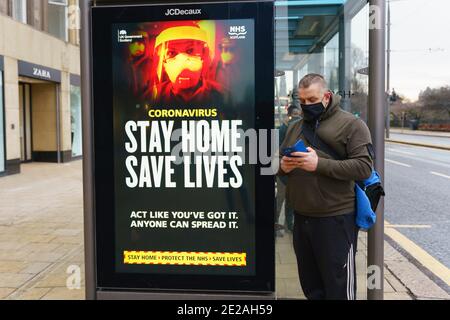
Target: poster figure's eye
{"type": "Point", "coordinates": [190, 51]}
{"type": "Point", "coordinates": [171, 54]}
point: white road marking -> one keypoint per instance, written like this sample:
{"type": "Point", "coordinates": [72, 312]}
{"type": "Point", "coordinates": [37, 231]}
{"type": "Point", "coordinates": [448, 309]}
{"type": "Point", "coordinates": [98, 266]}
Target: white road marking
{"type": "Point", "coordinates": [436, 154]}
{"type": "Point", "coordinates": [413, 226]}
{"type": "Point", "coordinates": [398, 163]}
{"type": "Point", "coordinates": [402, 152]}
{"type": "Point", "coordinates": [440, 174]}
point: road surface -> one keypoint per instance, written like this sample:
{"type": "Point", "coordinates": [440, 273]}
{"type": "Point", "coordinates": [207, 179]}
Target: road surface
{"type": "Point", "coordinates": [417, 182]}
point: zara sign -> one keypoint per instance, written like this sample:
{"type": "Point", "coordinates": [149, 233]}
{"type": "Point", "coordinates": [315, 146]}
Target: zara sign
{"type": "Point", "coordinates": [38, 72]}
{"type": "Point", "coordinates": [42, 73]}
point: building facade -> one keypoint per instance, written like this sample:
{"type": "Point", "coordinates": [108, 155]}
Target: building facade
{"type": "Point", "coordinates": [40, 98]}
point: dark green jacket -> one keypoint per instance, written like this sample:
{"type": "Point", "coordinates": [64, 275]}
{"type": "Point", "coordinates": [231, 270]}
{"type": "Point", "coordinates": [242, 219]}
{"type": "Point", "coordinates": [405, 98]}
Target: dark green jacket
{"type": "Point", "coordinates": [330, 190]}
{"type": "Point", "coordinates": [284, 127]}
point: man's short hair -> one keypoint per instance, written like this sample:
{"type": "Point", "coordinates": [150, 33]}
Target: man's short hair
{"type": "Point", "coordinates": [312, 78]}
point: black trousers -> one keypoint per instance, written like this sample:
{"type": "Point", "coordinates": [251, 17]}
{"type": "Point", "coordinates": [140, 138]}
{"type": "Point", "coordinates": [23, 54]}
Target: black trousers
{"type": "Point", "coordinates": [325, 250]}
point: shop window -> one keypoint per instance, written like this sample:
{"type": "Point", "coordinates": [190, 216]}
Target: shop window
{"type": "Point", "coordinates": [75, 119]}
{"type": "Point", "coordinates": [57, 18]}
{"type": "Point", "coordinates": [19, 10]}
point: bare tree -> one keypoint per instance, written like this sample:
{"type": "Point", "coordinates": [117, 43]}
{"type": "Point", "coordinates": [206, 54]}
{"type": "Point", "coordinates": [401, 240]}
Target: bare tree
{"type": "Point", "coordinates": [437, 99]}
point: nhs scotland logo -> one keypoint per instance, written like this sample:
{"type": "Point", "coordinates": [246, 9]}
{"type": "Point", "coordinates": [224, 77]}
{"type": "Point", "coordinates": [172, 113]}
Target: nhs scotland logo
{"type": "Point", "coordinates": [237, 32]}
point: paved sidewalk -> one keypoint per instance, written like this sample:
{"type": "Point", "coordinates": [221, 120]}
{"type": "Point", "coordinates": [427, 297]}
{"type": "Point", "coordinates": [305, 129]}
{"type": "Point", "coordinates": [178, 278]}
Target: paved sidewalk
{"type": "Point", "coordinates": [41, 237]}
{"type": "Point", "coordinates": [421, 132]}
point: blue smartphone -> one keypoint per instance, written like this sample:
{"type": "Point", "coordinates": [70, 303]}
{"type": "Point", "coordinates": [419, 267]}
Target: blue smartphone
{"type": "Point", "coordinates": [299, 146]}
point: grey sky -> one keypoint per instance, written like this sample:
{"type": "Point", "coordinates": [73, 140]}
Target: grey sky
{"type": "Point", "coordinates": [417, 26]}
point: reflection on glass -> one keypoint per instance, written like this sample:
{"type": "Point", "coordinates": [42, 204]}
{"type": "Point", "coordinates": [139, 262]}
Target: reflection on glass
{"type": "Point", "coordinates": [359, 57]}
{"type": "Point", "coordinates": [305, 44]}
{"type": "Point", "coordinates": [332, 40]}
{"type": "Point", "coordinates": [331, 63]}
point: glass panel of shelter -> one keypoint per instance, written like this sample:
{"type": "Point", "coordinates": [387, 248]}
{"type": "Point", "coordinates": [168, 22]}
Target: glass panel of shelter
{"type": "Point", "coordinates": [329, 38]}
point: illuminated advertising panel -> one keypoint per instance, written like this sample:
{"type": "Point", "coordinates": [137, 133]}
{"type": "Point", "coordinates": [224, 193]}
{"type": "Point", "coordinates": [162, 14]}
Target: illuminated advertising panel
{"type": "Point", "coordinates": [177, 92]}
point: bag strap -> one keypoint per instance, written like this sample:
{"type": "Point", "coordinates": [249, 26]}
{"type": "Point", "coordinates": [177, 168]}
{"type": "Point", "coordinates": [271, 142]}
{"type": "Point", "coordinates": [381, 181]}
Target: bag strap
{"type": "Point", "coordinates": [314, 140]}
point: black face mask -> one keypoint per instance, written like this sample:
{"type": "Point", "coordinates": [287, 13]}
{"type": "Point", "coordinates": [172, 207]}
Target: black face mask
{"type": "Point", "coordinates": [312, 112]}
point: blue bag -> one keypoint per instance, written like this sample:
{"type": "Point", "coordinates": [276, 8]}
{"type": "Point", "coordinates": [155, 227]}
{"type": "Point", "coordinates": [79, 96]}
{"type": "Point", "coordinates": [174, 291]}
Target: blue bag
{"type": "Point", "coordinates": [365, 217]}
{"type": "Point", "coordinates": [368, 193]}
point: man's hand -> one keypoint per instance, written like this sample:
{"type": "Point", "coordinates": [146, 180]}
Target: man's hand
{"type": "Point", "coordinates": [287, 164]}
{"type": "Point", "coordinates": [302, 160]}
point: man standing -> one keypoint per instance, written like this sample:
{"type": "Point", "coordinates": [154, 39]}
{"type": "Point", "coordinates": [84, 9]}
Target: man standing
{"type": "Point", "coordinates": [320, 189]}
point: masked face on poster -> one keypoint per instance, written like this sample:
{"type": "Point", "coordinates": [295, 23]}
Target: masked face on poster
{"type": "Point", "coordinates": [183, 62]}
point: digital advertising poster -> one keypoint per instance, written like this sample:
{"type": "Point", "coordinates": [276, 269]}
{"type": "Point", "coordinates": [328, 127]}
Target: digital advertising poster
{"type": "Point", "coordinates": [183, 97]}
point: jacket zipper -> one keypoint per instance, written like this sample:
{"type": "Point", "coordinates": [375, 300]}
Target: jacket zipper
{"type": "Point", "coordinates": [315, 131]}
